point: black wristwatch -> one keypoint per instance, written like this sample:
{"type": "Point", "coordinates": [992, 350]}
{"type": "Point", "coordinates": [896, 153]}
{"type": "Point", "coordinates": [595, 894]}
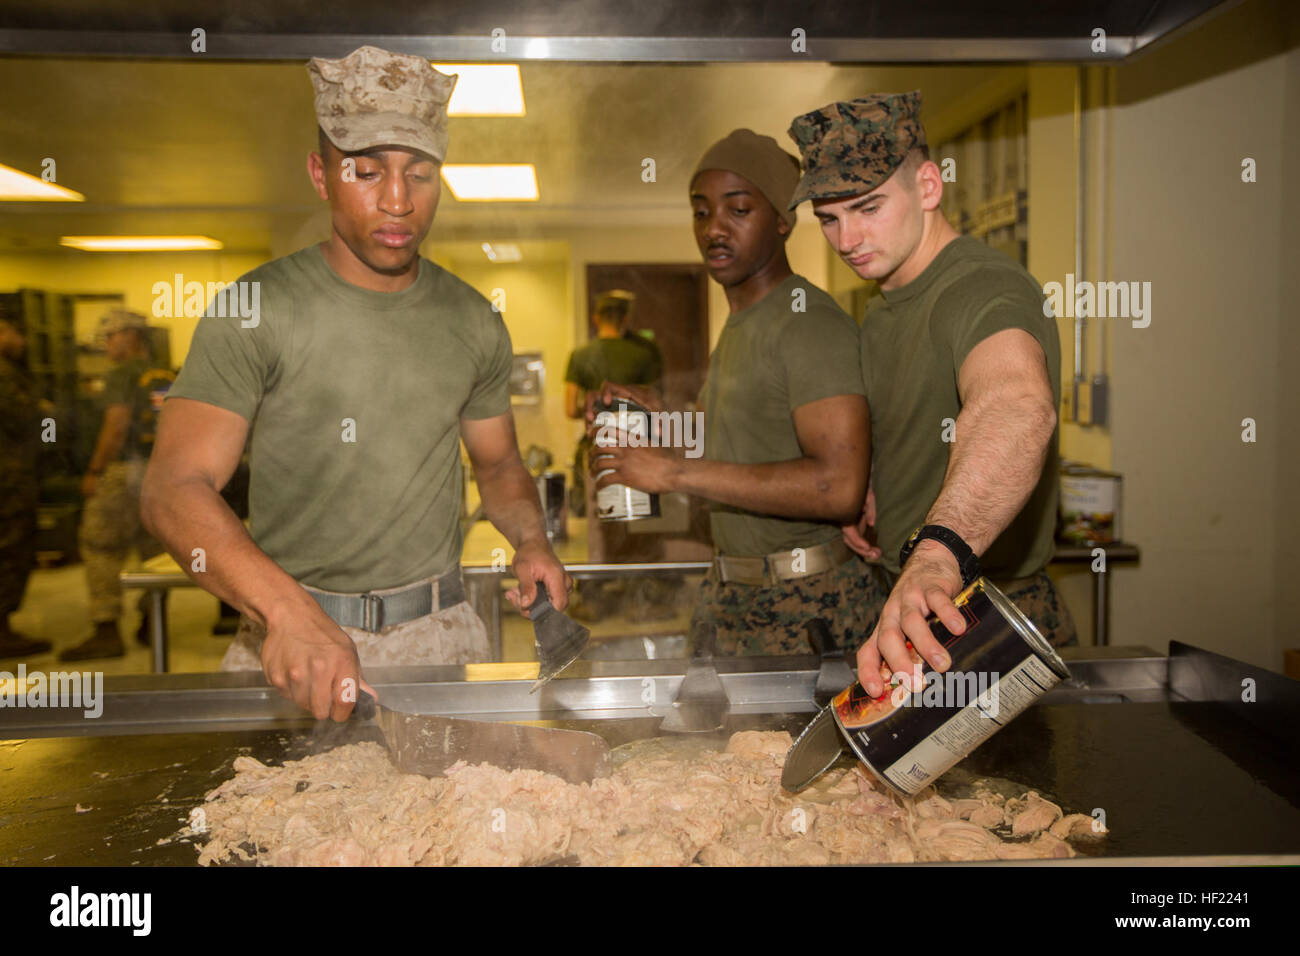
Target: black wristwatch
{"type": "Point", "coordinates": [966, 560]}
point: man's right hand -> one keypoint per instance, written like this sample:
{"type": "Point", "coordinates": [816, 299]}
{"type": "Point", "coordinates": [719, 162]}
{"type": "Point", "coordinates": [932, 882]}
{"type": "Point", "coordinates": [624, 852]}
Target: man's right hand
{"type": "Point", "coordinates": [309, 659]}
{"type": "Point", "coordinates": [648, 398]}
{"type": "Point", "coordinates": [855, 536]}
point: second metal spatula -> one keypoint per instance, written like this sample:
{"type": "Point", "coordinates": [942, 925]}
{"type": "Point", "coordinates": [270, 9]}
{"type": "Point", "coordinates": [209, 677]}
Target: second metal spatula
{"type": "Point", "coordinates": [559, 638]}
{"type": "Point", "coordinates": [701, 706]}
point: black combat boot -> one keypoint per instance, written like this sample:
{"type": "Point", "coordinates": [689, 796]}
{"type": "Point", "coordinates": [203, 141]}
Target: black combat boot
{"type": "Point", "coordinates": [105, 642]}
{"type": "Point", "coordinates": [13, 644]}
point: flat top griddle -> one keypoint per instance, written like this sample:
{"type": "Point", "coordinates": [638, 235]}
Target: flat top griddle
{"type": "Point", "coordinates": [1175, 778]}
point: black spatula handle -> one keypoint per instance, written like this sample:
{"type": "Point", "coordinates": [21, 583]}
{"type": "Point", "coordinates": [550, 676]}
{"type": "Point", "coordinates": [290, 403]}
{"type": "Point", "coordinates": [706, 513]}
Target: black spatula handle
{"type": "Point", "coordinates": [364, 708]}
{"type": "Point", "coordinates": [543, 602]}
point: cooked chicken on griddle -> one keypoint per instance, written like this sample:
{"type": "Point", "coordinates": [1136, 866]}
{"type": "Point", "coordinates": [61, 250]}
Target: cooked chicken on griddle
{"type": "Point", "coordinates": [350, 806]}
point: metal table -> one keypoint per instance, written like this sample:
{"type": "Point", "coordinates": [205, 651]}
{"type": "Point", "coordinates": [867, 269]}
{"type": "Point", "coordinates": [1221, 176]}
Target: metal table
{"type": "Point", "coordinates": [484, 585]}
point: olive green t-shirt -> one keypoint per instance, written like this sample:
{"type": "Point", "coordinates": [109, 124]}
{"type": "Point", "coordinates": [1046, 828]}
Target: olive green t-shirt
{"type": "Point", "coordinates": [914, 340]}
{"type": "Point", "coordinates": [122, 387]}
{"type": "Point", "coordinates": [355, 399]}
{"type": "Point", "coordinates": [626, 360]}
{"type": "Point", "coordinates": [769, 360]}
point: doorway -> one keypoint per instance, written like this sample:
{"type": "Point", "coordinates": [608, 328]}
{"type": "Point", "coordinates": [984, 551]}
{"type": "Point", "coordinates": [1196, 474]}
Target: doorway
{"type": "Point", "coordinates": [672, 303]}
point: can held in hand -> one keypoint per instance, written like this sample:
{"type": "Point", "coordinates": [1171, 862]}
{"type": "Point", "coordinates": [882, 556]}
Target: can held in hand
{"type": "Point", "coordinates": [620, 502]}
{"type": "Point", "coordinates": [1001, 664]}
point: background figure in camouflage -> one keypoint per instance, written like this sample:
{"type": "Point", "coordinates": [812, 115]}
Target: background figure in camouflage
{"type": "Point", "coordinates": [20, 423]}
{"type": "Point", "coordinates": [110, 522]}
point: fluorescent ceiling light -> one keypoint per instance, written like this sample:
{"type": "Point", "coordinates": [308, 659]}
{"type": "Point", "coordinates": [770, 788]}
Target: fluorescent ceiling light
{"type": "Point", "coordinates": [485, 89]}
{"type": "Point", "coordinates": [507, 182]}
{"type": "Point", "coordinates": [139, 243]}
{"type": "Point", "coordinates": [18, 186]}
{"type": "Point", "coordinates": [502, 251]}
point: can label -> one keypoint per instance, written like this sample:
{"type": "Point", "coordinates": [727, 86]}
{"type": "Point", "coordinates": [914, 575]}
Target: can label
{"type": "Point", "coordinates": [1090, 508]}
{"type": "Point", "coordinates": [1000, 665]}
{"type": "Point", "coordinates": [619, 502]}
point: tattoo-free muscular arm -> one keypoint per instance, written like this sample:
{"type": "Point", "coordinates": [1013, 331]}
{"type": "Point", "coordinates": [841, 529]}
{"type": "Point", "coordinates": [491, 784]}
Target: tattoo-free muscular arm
{"type": "Point", "coordinates": [1008, 415]}
{"type": "Point", "coordinates": [1007, 418]}
{"type": "Point", "coordinates": [197, 450]}
{"type": "Point", "coordinates": [306, 656]}
{"type": "Point", "coordinates": [508, 492]}
{"type": "Point", "coordinates": [827, 483]}
{"type": "Point", "coordinates": [510, 502]}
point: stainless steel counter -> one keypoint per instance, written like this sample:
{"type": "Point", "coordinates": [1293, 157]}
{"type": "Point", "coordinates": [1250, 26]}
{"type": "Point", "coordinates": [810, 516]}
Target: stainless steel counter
{"type": "Point", "coordinates": [1182, 766]}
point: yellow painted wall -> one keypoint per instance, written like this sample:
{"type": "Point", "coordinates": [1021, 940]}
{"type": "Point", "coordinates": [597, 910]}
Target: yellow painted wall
{"type": "Point", "coordinates": [1215, 516]}
{"type": "Point", "coordinates": [537, 310]}
{"type": "Point", "coordinates": [130, 273]}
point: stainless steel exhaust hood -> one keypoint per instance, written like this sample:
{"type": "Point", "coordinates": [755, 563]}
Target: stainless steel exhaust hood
{"type": "Point", "coordinates": [875, 31]}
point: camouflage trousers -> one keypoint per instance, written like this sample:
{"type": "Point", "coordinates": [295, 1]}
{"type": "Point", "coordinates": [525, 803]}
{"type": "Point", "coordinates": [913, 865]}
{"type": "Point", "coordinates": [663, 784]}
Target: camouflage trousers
{"type": "Point", "coordinates": [752, 619]}
{"type": "Point", "coordinates": [110, 527]}
{"type": "Point", "coordinates": [1037, 596]}
{"type": "Point", "coordinates": [455, 635]}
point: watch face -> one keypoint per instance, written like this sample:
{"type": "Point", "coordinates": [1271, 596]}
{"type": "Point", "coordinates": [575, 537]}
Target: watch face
{"type": "Point", "coordinates": [906, 551]}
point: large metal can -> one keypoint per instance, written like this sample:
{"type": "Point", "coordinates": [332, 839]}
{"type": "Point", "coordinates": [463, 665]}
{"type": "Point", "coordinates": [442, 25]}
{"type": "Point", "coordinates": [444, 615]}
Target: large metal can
{"type": "Point", "coordinates": [909, 737]}
{"type": "Point", "coordinates": [620, 502]}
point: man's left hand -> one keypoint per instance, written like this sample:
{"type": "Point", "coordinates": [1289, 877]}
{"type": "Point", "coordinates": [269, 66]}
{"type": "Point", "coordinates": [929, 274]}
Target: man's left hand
{"type": "Point", "coordinates": [930, 580]}
{"type": "Point", "coordinates": [535, 561]}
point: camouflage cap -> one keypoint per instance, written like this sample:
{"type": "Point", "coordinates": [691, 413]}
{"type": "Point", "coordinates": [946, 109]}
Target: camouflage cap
{"type": "Point", "coordinates": [851, 148]}
{"type": "Point", "coordinates": [375, 98]}
{"type": "Point", "coordinates": [116, 320]}
{"type": "Point", "coordinates": [615, 302]}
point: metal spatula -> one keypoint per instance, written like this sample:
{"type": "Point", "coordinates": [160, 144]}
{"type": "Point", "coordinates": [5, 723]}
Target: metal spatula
{"type": "Point", "coordinates": [834, 674]}
{"type": "Point", "coordinates": [701, 706]}
{"type": "Point", "coordinates": [558, 637]}
{"type": "Point", "coordinates": [428, 744]}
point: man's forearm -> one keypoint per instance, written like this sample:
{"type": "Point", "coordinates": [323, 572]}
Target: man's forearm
{"type": "Point", "coordinates": [800, 488]}
{"type": "Point", "coordinates": [185, 515]}
{"type": "Point", "coordinates": [511, 503]}
{"type": "Point", "coordinates": [995, 463]}
{"type": "Point", "coordinates": [111, 440]}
